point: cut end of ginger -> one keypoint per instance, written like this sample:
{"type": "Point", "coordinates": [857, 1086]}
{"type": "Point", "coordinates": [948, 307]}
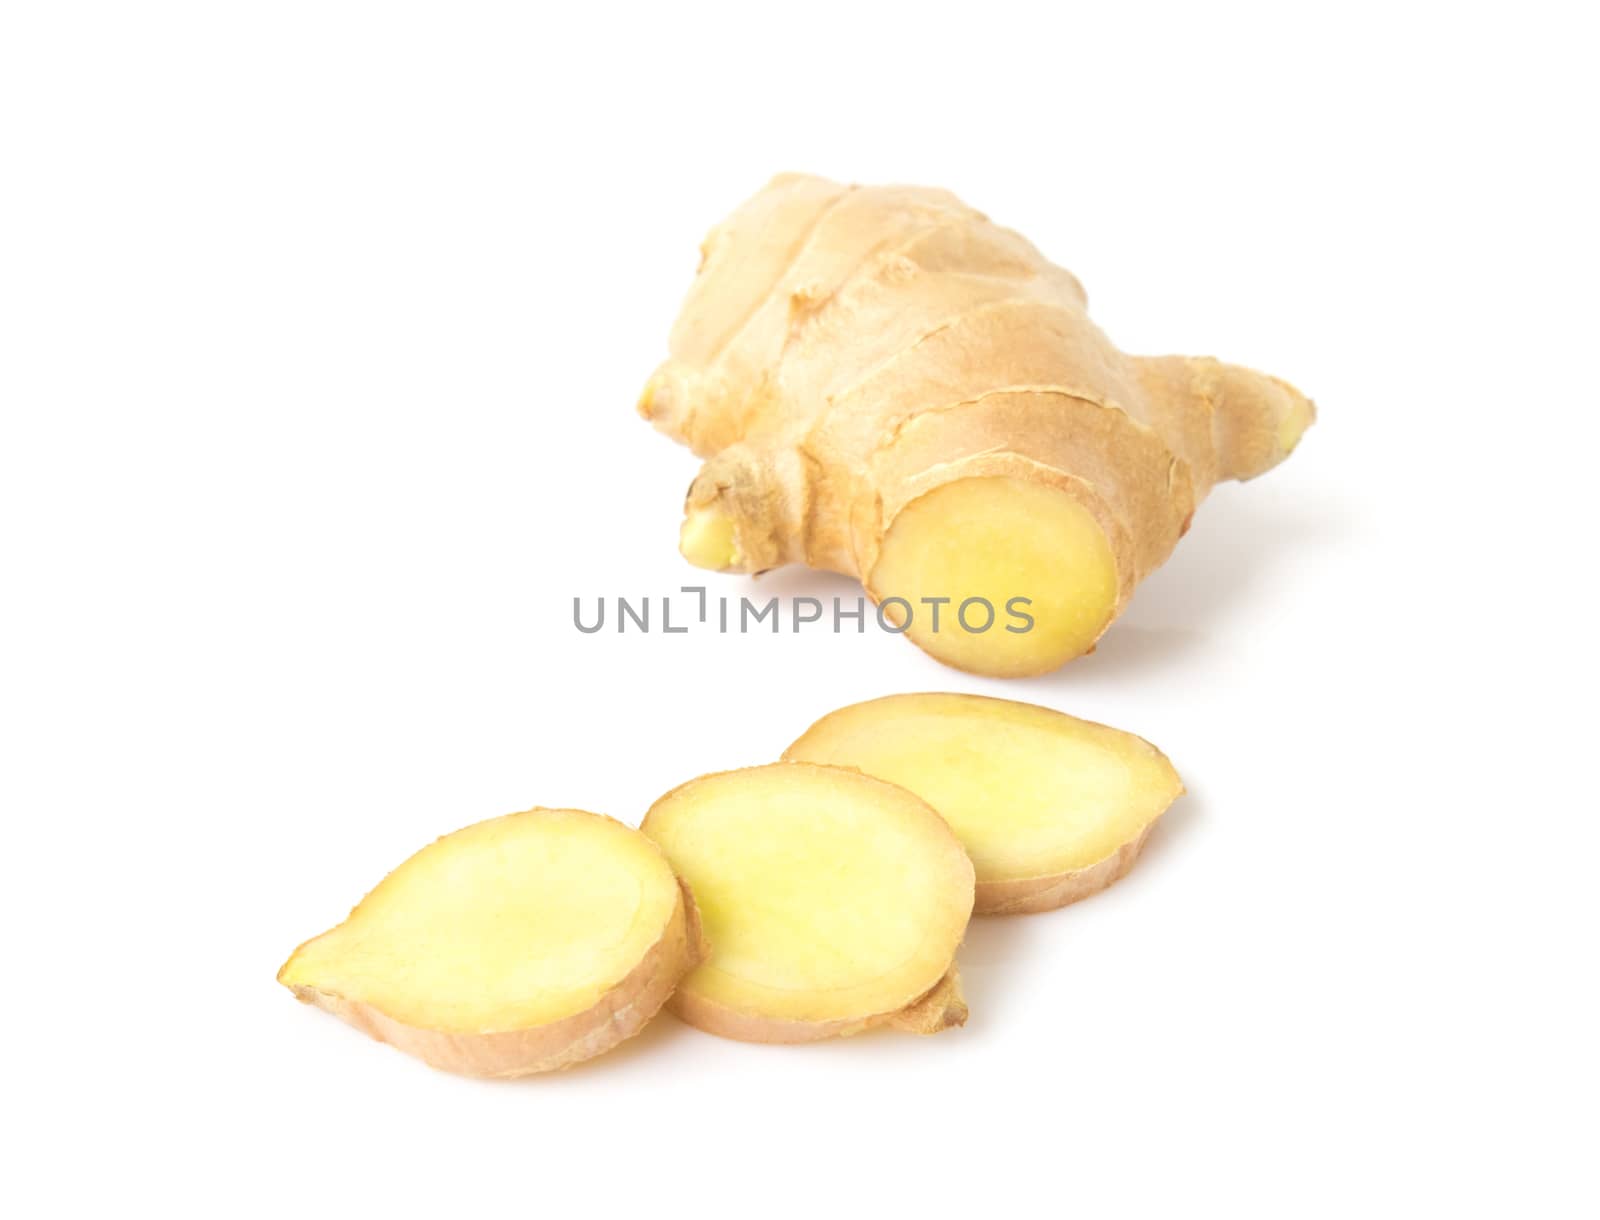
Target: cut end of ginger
{"type": "Point", "coordinates": [518, 945]}
{"type": "Point", "coordinates": [1050, 808]}
{"type": "Point", "coordinates": [834, 903]}
{"type": "Point", "coordinates": [1028, 577]}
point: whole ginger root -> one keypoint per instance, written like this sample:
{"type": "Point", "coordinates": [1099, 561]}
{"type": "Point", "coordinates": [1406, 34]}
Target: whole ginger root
{"type": "Point", "coordinates": [884, 383]}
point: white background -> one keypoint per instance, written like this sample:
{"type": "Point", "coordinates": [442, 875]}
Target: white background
{"type": "Point", "coordinates": [321, 327]}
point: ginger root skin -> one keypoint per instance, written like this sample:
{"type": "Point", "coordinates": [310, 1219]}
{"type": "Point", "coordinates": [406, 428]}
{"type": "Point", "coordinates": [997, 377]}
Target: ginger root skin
{"type": "Point", "coordinates": [834, 903]}
{"type": "Point", "coordinates": [484, 904]}
{"type": "Point", "coordinates": [886, 384]}
{"type": "Point", "coordinates": [1051, 808]}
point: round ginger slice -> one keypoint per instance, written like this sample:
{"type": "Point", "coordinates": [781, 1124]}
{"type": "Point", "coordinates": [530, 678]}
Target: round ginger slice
{"type": "Point", "coordinates": [522, 944]}
{"type": "Point", "coordinates": [834, 902]}
{"type": "Point", "coordinates": [1050, 808]}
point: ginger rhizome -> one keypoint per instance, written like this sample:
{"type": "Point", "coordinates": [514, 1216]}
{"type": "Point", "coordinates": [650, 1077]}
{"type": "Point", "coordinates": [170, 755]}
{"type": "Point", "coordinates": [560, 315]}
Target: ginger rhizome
{"type": "Point", "coordinates": [833, 903]}
{"type": "Point", "coordinates": [886, 384]}
{"type": "Point", "coordinates": [1050, 808]}
{"type": "Point", "coordinates": [522, 944]}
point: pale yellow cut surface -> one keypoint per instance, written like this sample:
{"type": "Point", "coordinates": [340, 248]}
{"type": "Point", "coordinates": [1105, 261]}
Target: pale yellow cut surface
{"type": "Point", "coordinates": [998, 538]}
{"type": "Point", "coordinates": [1031, 792]}
{"type": "Point", "coordinates": [826, 896]}
{"type": "Point", "coordinates": [511, 923]}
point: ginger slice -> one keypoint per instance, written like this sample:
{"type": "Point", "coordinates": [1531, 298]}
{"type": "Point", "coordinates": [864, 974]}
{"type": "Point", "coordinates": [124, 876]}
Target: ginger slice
{"type": "Point", "coordinates": [834, 902]}
{"type": "Point", "coordinates": [1050, 808]}
{"type": "Point", "coordinates": [518, 945]}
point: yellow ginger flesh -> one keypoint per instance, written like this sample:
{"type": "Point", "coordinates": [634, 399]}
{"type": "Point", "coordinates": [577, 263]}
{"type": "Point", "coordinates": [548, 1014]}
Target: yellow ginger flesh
{"type": "Point", "coordinates": [516, 945]}
{"type": "Point", "coordinates": [1050, 808]}
{"type": "Point", "coordinates": [832, 901]}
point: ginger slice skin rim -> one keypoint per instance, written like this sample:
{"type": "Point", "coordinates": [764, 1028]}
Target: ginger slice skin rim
{"type": "Point", "coordinates": [1051, 808]}
{"type": "Point", "coordinates": [834, 903]}
{"type": "Point", "coordinates": [523, 944]}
